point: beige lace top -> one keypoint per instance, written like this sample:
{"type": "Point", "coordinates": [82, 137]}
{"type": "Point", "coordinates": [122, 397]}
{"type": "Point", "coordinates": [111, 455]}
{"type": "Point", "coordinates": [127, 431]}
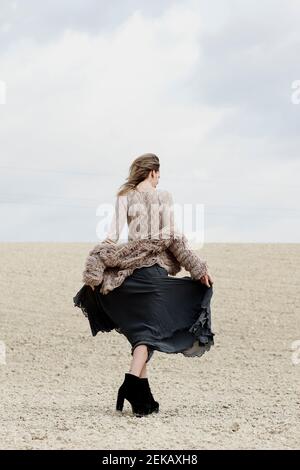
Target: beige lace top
{"type": "Point", "coordinates": [148, 214]}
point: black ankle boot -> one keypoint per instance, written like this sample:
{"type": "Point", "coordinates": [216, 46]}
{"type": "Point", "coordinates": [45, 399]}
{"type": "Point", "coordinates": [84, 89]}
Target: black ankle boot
{"type": "Point", "coordinates": [134, 391]}
{"type": "Point", "coordinates": [154, 404]}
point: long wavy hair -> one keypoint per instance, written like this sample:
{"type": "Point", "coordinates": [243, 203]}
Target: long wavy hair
{"type": "Point", "coordinates": [138, 171]}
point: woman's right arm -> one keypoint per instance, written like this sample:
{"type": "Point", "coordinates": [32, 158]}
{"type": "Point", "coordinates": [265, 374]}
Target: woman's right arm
{"type": "Point", "coordinates": [188, 258]}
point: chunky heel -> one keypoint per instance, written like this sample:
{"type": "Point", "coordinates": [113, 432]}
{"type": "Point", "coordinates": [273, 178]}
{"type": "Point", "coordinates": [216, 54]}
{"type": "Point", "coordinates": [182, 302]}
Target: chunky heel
{"type": "Point", "coordinates": [134, 391]}
{"type": "Point", "coordinates": [120, 400]}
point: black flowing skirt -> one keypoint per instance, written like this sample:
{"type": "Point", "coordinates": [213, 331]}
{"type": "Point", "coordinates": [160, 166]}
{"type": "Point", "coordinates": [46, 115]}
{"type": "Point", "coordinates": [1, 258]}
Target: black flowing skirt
{"type": "Point", "coordinates": [165, 313]}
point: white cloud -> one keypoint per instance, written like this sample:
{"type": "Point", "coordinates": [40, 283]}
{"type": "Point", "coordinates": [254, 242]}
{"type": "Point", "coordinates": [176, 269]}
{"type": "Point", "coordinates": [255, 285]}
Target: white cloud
{"type": "Point", "coordinates": [83, 98]}
{"type": "Point", "coordinates": [85, 103]}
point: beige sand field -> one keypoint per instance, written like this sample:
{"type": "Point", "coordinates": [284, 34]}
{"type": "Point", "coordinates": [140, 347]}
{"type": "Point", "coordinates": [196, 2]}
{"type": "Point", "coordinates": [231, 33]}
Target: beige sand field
{"type": "Point", "coordinates": [59, 384]}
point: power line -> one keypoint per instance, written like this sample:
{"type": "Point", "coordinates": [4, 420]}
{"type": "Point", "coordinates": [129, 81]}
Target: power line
{"type": "Point", "coordinates": [47, 196]}
{"type": "Point", "coordinates": [102, 173]}
{"type": "Point", "coordinates": [97, 202]}
{"type": "Point", "coordinates": [36, 203]}
{"type": "Point", "coordinates": [50, 170]}
{"type": "Point", "coordinates": [223, 210]}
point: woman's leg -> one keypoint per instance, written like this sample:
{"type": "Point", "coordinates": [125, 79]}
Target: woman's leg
{"type": "Point", "coordinates": [139, 358]}
{"type": "Point", "coordinates": [144, 371]}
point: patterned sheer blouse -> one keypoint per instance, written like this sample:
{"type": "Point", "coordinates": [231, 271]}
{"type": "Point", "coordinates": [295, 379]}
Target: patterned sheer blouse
{"type": "Point", "coordinates": [148, 214]}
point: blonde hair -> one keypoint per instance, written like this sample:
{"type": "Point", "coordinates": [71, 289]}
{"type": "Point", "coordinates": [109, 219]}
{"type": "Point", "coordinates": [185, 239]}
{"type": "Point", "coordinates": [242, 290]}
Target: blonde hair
{"type": "Point", "coordinates": [138, 171]}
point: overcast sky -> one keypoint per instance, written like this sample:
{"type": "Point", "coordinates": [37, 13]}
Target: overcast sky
{"type": "Point", "coordinates": [205, 85]}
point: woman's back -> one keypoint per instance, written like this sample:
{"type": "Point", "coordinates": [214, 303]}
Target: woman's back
{"type": "Point", "coordinates": [149, 215]}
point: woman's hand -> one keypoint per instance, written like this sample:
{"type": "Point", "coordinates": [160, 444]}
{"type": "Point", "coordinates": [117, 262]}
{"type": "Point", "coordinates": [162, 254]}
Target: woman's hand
{"type": "Point", "coordinates": [206, 280]}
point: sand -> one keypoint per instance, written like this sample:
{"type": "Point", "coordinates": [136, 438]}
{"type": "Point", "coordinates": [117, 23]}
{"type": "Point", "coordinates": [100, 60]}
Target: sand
{"type": "Point", "coordinates": [59, 384]}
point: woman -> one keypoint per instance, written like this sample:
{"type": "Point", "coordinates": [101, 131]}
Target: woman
{"type": "Point", "coordinates": [129, 286]}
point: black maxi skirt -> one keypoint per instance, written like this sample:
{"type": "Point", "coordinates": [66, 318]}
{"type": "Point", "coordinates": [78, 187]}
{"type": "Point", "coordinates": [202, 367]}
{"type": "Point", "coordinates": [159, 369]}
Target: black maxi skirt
{"type": "Point", "coordinates": [166, 313]}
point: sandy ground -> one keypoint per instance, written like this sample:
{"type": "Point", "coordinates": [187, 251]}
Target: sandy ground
{"type": "Point", "coordinates": [59, 384]}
